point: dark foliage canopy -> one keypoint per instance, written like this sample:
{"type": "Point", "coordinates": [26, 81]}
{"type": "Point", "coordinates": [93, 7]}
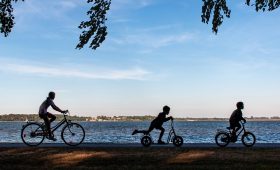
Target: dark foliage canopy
{"type": "Point", "coordinates": [6, 16]}
{"type": "Point", "coordinates": [218, 9]}
{"type": "Point", "coordinates": [95, 30]}
{"type": "Point", "coordinates": [95, 26]}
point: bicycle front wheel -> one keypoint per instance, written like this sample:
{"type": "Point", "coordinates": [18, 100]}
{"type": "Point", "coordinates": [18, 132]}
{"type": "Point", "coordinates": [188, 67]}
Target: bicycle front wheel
{"type": "Point", "coordinates": [32, 134]}
{"type": "Point", "coordinates": [248, 139]}
{"type": "Point", "coordinates": [73, 134]}
{"type": "Point", "coordinates": [178, 141]}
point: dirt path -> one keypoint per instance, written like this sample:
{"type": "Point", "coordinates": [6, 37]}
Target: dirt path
{"type": "Point", "coordinates": [138, 158]}
{"type": "Point", "coordinates": [127, 145]}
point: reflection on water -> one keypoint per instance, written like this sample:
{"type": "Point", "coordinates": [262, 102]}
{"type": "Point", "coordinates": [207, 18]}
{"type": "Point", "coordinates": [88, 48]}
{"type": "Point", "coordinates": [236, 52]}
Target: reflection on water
{"type": "Point", "coordinates": [120, 132]}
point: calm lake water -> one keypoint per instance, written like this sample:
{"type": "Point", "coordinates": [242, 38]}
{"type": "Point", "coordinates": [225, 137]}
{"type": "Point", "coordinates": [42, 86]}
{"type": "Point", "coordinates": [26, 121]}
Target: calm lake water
{"type": "Point", "coordinates": [120, 132]}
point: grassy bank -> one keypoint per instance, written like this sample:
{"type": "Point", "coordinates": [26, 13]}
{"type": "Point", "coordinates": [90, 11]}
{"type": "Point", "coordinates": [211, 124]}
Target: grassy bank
{"type": "Point", "coordinates": [138, 158]}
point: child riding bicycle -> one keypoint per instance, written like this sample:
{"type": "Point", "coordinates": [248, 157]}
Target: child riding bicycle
{"type": "Point", "coordinates": [235, 118]}
{"type": "Point", "coordinates": [45, 115]}
{"type": "Point", "coordinates": [157, 124]}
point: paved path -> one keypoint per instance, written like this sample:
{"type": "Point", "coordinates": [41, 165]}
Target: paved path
{"type": "Point", "coordinates": [129, 145]}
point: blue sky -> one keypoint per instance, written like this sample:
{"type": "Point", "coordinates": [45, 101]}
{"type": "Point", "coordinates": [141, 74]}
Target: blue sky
{"type": "Point", "coordinates": [157, 53]}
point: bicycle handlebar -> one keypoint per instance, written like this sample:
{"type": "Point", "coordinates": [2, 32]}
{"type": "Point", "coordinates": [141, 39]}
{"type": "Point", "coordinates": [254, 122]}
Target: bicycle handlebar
{"type": "Point", "coordinates": [67, 111]}
{"type": "Point", "coordinates": [243, 122]}
{"type": "Point", "coordinates": [171, 122]}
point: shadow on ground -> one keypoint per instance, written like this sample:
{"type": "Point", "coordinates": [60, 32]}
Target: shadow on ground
{"type": "Point", "coordinates": [139, 158]}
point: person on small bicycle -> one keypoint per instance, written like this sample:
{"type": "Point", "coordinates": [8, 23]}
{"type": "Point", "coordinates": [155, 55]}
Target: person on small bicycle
{"type": "Point", "coordinates": [157, 124]}
{"type": "Point", "coordinates": [235, 118]}
{"type": "Point", "coordinates": [48, 117]}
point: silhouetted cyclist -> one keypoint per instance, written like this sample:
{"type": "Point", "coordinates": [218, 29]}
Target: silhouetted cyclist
{"type": "Point", "coordinates": [45, 115]}
{"type": "Point", "coordinates": [157, 123]}
{"type": "Point", "coordinates": [236, 117]}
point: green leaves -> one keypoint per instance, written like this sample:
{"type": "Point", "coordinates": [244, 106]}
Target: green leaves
{"type": "Point", "coordinates": [263, 5]}
{"type": "Point", "coordinates": [94, 30]}
{"type": "Point", "coordinates": [6, 16]}
{"type": "Point", "coordinates": [219, 8]}
{"type": "Point", "coordinates": [95, 27]}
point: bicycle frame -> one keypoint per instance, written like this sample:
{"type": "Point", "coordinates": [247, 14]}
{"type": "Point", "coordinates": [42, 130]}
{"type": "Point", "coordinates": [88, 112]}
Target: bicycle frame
{"type": "Point", "coordinates": [240, 131]}
{"type": "Point", "coordinates": [171, 132]}
{"type": "Point", "coordinates": [170, 135]}
{"type": "Point", "coordinates": [63, 121]}
{"type": "Point", "coordinates": [60, 123]}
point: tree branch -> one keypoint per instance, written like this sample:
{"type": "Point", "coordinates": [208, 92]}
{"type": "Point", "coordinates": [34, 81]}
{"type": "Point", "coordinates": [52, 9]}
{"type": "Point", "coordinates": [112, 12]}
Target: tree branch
{"type": "Point", "coordinates": [219, 8]}
{"type": "Point", "coordinates": [95, 26]}
{"type": "Point", "coordinates": [263, 5]}
{"type": "Point", "coordinates": [6, 16]}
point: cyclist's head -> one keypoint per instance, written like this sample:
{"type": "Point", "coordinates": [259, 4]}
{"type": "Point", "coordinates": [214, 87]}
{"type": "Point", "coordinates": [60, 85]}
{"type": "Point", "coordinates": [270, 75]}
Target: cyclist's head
{"type": "Point", "coordinates": [166, 109]}
{"type": "Point", "coordinates": [51, 95]}
{"type": "Point", "coordinates": [240, 105]}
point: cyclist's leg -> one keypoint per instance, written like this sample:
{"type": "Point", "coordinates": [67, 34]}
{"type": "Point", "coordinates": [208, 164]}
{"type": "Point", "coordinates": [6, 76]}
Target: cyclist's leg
{"type": "Point", "coordinates": [161, 133]}
{"type": "Point", "coordinates": [152, 126]}
{"type": "Point", "coordinates": [238, 126]}
{"type": "Point", "coordinates": [52, 117]}
{"type": "Point", "coordinates": [233, 126]}
{"type": "Point", "coordinates": [144, 131]}
{"type": "Point", "coordinates": [47, 122]}
{"type": "Point", "coordinates": [140, 131]}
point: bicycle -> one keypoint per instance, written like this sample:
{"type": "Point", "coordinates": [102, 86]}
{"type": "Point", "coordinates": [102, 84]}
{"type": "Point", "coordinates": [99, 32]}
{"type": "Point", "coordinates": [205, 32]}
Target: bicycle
{"type": "Point", "coordinates": [34, 133]}
{"type": "Point", "coordinates": [146, 139]}
{"type": "Point", "coordinates": [223, 138]}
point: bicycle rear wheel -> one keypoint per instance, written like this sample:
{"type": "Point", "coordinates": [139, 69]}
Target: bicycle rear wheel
{"type": "Point", "coordinates": [222, 139]}
{"type": "Point", "coordinates": [146, 141]}
{"type": "Point", "coordinates": [32, 134]}
{"type": "Point", "coordinates": [73, 134]}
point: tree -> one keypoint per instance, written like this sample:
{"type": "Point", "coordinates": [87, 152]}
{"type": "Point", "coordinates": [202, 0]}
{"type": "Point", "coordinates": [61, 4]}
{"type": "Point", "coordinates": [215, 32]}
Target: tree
{"type": "Point", "coordinates": [219, 9]}
{"type": "Point", "coordinates": [95, 30]}
{"type": "Point", "coordinates": [95, 27]}
{"type": "Point", "coordinates": [6, 16]}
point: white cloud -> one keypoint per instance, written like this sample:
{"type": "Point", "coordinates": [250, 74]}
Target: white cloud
{"type": "Point", "coordinates": [130, 4]}
{"type": "Point", "coordinates": [108, 74]}
{"type": "Point", "coordinates": [153, 41]}
{"type": "Point", "coordinates": [49, 19]}
{"type": "Point", "coordinates": [152, 38]}
{"type": "Point", "coordinates": [120, 9]}
{"type": "Point", "coordinates": [119, 20]}
{"type": "Point", "coordinates": [46, 9]}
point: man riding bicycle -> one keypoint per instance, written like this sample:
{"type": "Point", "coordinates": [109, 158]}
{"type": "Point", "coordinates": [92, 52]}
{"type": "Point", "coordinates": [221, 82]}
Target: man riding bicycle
{"type": "Point", "coordinates": [157, 123]}
{"type": "Point", "coordinates": [235, 118]}
{"type": "Point", "coordinates": [45, 115]}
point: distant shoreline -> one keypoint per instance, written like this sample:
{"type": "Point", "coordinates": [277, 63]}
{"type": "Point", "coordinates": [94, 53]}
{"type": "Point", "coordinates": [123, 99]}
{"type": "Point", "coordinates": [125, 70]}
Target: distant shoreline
{"type": "Point", "coordinates": [35, 117]}
{"type": "Point", "coordinates": [210, 120]}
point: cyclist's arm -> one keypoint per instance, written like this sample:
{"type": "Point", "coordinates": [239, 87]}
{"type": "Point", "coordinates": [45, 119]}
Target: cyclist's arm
{"type": "Point", "coordinates": [240, 117]}
{"type": "Point", "coordinates": [168, 118]}
{"type": "Point", "coordinates": [55, 107]}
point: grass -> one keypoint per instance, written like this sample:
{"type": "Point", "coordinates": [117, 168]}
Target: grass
{"type": "Point", "coordinates": [139, 158]}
